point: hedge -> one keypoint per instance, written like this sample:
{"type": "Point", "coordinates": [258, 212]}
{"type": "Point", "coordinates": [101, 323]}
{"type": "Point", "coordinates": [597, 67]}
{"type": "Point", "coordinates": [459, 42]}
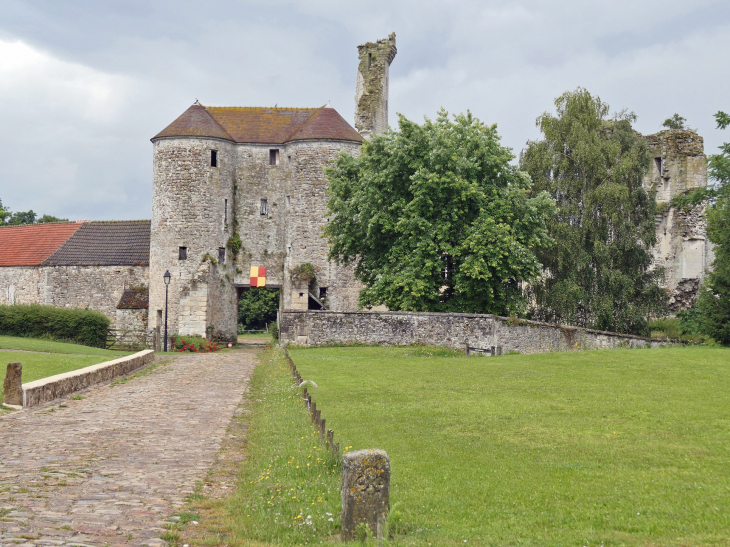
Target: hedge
{"type": "Point", "coordinates": [82, 326]}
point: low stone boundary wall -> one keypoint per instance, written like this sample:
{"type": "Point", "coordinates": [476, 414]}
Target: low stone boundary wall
{"type": "Point", "coordinates": [54, 387]}
{"type": "Point", "coordinates": [492, 334]}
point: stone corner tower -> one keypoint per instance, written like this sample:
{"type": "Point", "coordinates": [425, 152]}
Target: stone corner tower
{"type": "Point", "coordinates": [371, 95]}
{"type": "Point", "coordinates": [682, 249]}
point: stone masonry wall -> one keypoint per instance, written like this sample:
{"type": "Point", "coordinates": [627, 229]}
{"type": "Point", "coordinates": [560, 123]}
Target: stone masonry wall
{"type": "Point", "coordinates": [131, 328]}
{"type": "Point", "coordinates": [373, 81]}
{"type": "Point", "coordinates": [455, 330]}
{"type": "Point", "coordinates": [289, 234]}
{"type": "Point", "coordinates": [98, 287]}
{"type": "Point", "coordinates": [306, 216]}
{"type": "Point", "coordinates": [193, 206]}
{"type": "Point", "coordinates": [22, 285]}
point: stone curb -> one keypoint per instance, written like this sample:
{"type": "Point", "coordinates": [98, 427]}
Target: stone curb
{"type": "Point", "coordinates": [60, 385]}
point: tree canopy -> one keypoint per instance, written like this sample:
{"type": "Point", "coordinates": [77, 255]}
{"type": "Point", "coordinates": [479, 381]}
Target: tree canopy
{"type": "Point", "coordinates": [434, 218]}
{"type": "Point", "coordinates": [714, 299]}
{"type": "Point", "coordinates": [675, 122]}
{"type": "Point", "coordinates": [25, 217]}
{"type": "Point", "coordinates": [598, 269]}
{"type": "Point", "coordinates": [257, 307]}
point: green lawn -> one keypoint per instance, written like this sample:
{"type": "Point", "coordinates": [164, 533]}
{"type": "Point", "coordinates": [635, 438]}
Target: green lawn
{"type": "Point", "coordinates": [619, 447]}
{"type": "Point", "coordinates": [34, 344]}
{"type": "Point", "coordinates": [262, 337]}
{"type": "Point", "coordinates": [60, 357]}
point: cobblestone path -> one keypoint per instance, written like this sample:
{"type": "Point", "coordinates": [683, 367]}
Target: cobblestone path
{"type": "Point", "coordinates": [110, 469]}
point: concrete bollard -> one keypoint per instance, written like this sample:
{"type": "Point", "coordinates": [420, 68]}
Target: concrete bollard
{"type": "Point", "coordinates": [13, 386]}
{"type": "Point", "coordinates": [365, 490]}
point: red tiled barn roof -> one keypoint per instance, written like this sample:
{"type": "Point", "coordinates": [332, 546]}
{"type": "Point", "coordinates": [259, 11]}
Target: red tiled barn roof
{"type": "Point", "coordinates": [261, 125]}
{"type": "Point", "coordinates": [32, 244]}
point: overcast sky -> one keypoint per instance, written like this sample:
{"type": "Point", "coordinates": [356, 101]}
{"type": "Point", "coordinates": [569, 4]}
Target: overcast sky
{"type": "Point", "coordinates": [85, 84]}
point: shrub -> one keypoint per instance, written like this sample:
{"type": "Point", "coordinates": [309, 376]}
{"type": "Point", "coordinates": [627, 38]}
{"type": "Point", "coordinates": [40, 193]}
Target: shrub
{"type": "Point", "coordinates": [194, 344]}
{"type": "Point", "coordinates": [82, 326]}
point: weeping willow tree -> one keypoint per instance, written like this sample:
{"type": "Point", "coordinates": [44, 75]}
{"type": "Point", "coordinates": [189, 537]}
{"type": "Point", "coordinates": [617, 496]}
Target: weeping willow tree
{"type": "Point", "coordinates": [597, 271]}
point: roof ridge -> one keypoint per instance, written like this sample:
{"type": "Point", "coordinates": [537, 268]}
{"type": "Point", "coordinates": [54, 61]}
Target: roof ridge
{"type": "Point", "coordinates": [216, 122]}
{"type": "Point", "coordinates": [265, 107]}
{"type": "Point", "coordinates": [42, 224]}
{"type": "Point", "coordinates": [132, 220]}
{"type": "Point", "coordinates": [301, 127]}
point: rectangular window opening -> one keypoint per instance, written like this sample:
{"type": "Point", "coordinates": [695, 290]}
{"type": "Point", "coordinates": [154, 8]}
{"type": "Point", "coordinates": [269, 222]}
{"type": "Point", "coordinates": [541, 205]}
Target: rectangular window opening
{"type": "Point", "coordinates": [214, 158]}
{"type": "Point", "coordinates": [658, 164]}
{"type": "Point", "coordinates": [222, 255]}
{"type": "Point", "coordinates": [264, 207]}
{"type": "Point", "coordinates": [274, 156]}
{"type": "Point", "coordinates": [182, 253]}
{"type": "Point", "coordinates": [225, 211]}
{"type": "Point", "coordinates": [322, 292]}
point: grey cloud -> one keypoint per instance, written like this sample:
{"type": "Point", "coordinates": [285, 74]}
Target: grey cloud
{"type": "Point", "coordinates": [72, 153]}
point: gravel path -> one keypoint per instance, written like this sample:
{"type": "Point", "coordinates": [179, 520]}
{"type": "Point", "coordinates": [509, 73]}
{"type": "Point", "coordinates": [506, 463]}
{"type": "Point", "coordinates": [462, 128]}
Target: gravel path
{"type": "Point", "coordinates": [111, 468]}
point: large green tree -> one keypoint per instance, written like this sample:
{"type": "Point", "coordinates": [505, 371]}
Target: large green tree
{"type": "Point", "coordinates": [435, 218]}
{"type": "Point", "coordinates": [714, 299]}
{"type": "Point", "coordinates": [597, 272]}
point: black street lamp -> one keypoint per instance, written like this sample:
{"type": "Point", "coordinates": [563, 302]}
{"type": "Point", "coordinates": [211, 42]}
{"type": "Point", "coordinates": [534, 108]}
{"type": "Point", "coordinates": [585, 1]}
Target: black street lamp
{"type": "Point", "coordinates": [167, 278]}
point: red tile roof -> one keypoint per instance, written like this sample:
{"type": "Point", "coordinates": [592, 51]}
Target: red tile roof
{"type": "Point", "coordinates": [261, 125]}
{"type": "Point", "coordinates": [32, 244]}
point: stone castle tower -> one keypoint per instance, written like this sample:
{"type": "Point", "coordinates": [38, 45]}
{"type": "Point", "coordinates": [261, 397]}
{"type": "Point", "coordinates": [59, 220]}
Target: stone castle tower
{"type": "Point", "coordinates": [371, 95]}
{"type": "Point", "coordinates": [679, 165]}
{"type": "Point", "coordinates": [254, 174]}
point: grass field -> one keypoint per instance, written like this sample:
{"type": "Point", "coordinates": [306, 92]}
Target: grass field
{"type": "Point", "coordinates": [262, 337]}
{"type": "Point", "coordinates": [57, 358]}
{"type": "Point", "coordinates": [619, 447]}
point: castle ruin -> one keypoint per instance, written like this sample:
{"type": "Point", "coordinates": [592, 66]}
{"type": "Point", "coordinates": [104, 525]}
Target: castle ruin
{"type": "Point", "coordinates": [679, 165]}
{"type": "Point", "coordinates": [239, 202]}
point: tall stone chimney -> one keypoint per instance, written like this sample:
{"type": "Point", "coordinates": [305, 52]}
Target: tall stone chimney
{"type": "Point", "coordinates": [371, 95]}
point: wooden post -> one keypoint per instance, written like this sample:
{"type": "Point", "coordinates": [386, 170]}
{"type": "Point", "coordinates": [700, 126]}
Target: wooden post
{"type": "Point", "coordinates": [330, 438]}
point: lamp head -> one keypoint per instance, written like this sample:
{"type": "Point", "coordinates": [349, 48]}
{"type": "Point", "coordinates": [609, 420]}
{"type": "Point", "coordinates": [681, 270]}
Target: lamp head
{"type": "Point", "coordinates": [167, 277]}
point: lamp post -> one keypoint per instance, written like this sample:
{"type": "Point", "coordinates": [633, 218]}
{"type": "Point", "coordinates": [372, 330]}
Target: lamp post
{"type": "Point", "coordinates": [167, 278]}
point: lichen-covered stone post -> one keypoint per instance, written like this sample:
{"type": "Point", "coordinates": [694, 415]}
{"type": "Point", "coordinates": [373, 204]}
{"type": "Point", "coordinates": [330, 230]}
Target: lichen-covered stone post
{"type": "Point", "coordinates": [365, 490]}
{"type": "Point", "coordinates": [13, 386]}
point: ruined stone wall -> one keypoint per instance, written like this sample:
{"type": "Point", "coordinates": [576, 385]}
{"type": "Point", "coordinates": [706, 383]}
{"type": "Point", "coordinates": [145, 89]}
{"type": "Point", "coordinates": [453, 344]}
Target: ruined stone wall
{"type": "Point", "coordinates": [679, 165]}
{"type": "Point", "coordinates": [456, 330]}
{"type": "Point", "coordinates": [98, 287]}
{"type": "Point", "coordinates": [193, 206]}
{"type": "Point", "coordinates": [373, 81]}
